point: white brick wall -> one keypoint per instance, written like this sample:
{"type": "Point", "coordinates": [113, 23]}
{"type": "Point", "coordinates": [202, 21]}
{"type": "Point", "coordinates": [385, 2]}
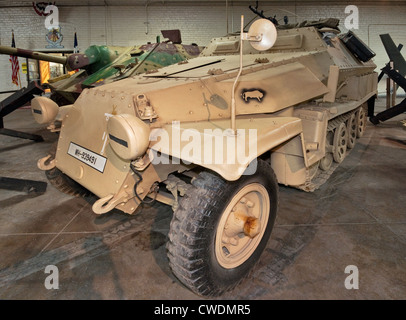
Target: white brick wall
{"type": "Point", "coordinates": [117, 25]}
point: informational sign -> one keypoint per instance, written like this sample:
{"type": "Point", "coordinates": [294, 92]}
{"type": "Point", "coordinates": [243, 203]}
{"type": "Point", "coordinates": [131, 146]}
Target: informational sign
{"type": "Point", "coordinates": [24, 67]}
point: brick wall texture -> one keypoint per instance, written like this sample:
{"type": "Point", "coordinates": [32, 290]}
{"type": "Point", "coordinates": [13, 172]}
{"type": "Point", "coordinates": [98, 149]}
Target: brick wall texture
{"type": "Point", "coordinates": [124, 26]}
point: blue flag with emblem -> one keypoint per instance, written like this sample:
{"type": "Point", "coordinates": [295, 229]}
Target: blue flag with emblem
{"type": "Point", "coordinates": [75, 44]}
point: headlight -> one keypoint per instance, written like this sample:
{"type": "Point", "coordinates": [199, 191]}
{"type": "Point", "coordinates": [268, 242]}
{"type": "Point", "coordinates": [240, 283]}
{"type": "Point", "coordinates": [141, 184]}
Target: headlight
{"type": "Point", "coordinates": [44, 109]}
{"type": "Point", "coordinates": [129, 136]}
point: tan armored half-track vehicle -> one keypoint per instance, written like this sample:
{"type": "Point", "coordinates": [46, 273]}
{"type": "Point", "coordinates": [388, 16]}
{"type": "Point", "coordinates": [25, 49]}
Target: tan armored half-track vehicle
{"type": "Point", "coordinates": [213, 137]}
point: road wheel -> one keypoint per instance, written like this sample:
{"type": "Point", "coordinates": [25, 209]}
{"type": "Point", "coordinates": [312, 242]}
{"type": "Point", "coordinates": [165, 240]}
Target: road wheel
{"type": "Point", "coordinates": [326, 162]}
{"type": "Point", "coordinates": [352, 131]}
{"type": "Point", "coordinates": [361, 118]}
{"type": "Point", "coordinates": [340, 143]}
{"type": "Point", "coordinates": [221, 228]}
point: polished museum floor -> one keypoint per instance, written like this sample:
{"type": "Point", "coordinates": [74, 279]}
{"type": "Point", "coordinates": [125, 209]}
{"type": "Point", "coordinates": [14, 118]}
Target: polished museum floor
{"type": "Point", "coordinates": [346, 240]}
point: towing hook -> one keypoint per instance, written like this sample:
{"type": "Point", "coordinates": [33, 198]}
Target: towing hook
{"type": "Point", "coordinates": [103, 205]}
{"type": "Point", "coordinates": [44, 163]}
{"type": "Point", "coordinates": [109, 202]}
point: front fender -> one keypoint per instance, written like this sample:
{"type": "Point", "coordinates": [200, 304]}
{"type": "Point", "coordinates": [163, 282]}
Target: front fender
{"type": "Point", "coordinates": [212, 145]}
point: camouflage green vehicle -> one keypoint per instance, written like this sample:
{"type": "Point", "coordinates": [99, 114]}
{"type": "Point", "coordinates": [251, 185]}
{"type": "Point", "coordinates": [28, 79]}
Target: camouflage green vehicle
{"type": "Point", "coordinates": [214, 136]}
{"type": "Point", "coordinates": [99, 65]}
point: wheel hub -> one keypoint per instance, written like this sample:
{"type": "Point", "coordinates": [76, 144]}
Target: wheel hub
{"type": "Point", "coordinates": [242, 221]}
{"type": "Point", "coordinates": [242, 225]}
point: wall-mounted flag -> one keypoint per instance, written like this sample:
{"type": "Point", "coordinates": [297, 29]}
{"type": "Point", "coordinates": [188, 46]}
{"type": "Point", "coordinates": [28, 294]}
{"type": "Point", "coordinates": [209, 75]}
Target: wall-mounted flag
{"type": "Point", "coordinates": [15, 66]}
{"type": "Point", "coordinates": [75, 45]}
{"type": "Point", "coordinates": [39, 7]}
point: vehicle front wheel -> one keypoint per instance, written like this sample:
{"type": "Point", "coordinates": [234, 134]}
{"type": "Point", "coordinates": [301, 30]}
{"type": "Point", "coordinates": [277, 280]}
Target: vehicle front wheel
{"type": "Point", "coordinates": [221, 228]}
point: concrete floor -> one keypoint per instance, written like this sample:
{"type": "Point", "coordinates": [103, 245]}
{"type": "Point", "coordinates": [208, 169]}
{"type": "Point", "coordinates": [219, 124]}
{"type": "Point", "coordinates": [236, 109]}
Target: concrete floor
{"type": "Point", "coordinates": [358, 217]}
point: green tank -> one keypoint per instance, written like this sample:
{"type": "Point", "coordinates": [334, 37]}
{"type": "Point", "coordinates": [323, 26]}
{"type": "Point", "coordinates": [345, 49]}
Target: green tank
{"type": "Point", "coordinates": [104, 64]}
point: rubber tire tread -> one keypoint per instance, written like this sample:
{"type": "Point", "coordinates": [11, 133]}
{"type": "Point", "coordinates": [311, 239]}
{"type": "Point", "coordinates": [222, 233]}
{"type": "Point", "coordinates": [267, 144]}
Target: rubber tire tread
{"type": "Point", "coordinates": [193, 229]}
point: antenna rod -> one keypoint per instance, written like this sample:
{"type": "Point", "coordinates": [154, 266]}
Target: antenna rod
{"type": "Point", "coordinates": [227, 15]}
{"type": "Point", "coordinates": [233, 128]}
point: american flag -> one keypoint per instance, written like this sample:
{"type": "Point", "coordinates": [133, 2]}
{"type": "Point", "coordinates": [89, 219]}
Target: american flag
{"type": "Point", "coordinates": [15, 66]}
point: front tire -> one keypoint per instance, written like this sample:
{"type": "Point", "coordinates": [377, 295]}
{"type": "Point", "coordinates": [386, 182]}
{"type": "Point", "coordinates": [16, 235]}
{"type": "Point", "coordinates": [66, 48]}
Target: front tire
{"type": "Point", "coordinates": [221, 228]}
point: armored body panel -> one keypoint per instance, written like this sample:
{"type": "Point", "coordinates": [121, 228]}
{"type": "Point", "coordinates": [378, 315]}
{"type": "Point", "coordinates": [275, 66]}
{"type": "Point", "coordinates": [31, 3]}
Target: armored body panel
{"type": "Point", "coordinates": [300, 77]}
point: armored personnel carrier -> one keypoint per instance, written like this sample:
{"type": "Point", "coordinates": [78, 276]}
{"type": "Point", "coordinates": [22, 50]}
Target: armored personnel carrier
{"type": "Point", "coordinates": [214, 136]}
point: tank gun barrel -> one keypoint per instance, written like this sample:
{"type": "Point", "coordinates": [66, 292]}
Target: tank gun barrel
{"type": "Point", "coordinates": [32, 55]}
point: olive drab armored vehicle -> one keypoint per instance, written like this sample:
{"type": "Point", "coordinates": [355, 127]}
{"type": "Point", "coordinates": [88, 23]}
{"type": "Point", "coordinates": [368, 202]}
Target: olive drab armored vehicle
{"type": "Point", "coordinates": [214, 136]}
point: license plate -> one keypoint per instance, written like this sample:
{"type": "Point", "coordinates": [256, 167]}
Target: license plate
{"type": "Point", "coordinates": [88, 157]}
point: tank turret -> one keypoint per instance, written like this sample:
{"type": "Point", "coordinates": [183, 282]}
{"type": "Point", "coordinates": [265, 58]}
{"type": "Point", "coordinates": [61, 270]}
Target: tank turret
{"type": "Point", "coordinates": [99, 65]}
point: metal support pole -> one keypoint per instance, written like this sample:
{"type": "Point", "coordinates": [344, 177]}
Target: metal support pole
{"type": "Point", "coordinates": [388, 81]}
{"type": "Point", "coordinates": [233, 112]}
{"type": "Point", "coordinates": [392, 87]}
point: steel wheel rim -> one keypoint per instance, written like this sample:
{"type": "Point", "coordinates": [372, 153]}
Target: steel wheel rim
{"type": "Point", "coordinates": [340, 142]}
{"type": "Point", "coordinates": [232, 245]}
{"type": "Point", "coordinates": [361, 115]}
{"type": "Point", "coordinates": [352, 131]}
